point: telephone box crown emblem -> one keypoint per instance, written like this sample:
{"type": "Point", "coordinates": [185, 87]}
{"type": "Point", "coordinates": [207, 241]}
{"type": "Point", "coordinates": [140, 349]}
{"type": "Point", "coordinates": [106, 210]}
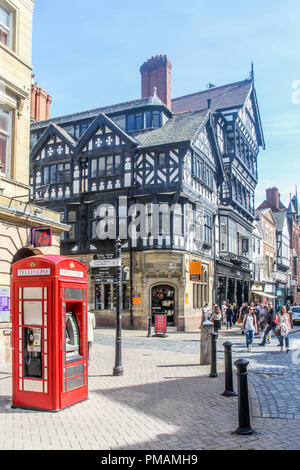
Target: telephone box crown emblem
{"type": "Point", "coordinates": [72, 265]}
{"type": "Point", "coordinates": [33, 264]}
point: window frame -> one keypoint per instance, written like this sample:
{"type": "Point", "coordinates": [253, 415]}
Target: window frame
{"type": "Point", "coordinates": [7, 29]}
{"type": "Point", "coordinates": [7, 134]}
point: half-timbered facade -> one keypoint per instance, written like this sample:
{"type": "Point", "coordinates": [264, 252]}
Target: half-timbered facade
{"type": "Point", "coordinates": [239, 133]}
{"type": "Point", "coordinates": [139, 172]}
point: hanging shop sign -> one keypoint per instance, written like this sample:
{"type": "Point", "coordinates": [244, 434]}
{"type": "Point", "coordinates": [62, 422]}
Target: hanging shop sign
{"type": "Point", "coordinates": [195, 270]}
{"type": "Point", "coordinates": [41, 237]}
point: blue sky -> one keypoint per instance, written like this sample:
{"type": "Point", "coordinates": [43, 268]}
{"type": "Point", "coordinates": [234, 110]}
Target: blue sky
{"type": "Point", "coordinates": [88, 54]}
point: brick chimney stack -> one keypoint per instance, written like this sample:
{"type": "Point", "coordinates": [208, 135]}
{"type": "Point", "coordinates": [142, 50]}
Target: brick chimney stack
{"type": "Point", "coordinates": [40, 103]}
{"type": "Point", "coordinates": [273, 198]}
{"type": "Point", "coordinates": [156, 72]}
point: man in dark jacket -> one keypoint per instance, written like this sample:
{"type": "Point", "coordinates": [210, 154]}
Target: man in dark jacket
{"type": "Point", "coordinates": [270, 324]}
{"type": "Point", "coordinates": [229, 315]}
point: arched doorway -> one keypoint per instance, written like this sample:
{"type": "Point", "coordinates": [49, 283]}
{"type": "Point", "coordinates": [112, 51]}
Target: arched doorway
{"type": "Point", "coordinates": [163, 302]}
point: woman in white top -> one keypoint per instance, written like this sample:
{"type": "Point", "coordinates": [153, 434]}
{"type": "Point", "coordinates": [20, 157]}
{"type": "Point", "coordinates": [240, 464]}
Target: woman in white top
{"type": "Point", "coordinates": [285, 328]}
{"type": "Point", "coordinates": [217, 319]}
{"type": "Point", "coordinates": [250, 327]}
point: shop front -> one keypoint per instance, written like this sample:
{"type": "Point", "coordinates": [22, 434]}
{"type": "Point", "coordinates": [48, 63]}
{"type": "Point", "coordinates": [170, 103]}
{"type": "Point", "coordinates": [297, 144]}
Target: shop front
{"type": "Point", "coordinates": [232, 283]}
{"type": "Point", "coordinates": [157, 282]}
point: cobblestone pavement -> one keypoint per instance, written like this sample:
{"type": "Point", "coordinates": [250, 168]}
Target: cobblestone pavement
{"type": "Point", "coordinates": [165, 400]}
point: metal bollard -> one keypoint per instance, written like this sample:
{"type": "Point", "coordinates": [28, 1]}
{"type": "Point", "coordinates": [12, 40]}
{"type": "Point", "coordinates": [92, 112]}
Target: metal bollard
{"type": "Point", "coordinates": [213, 367]}
{"type": "Point", "coordinates": [244, 410]}
{"type": "Point", "coordinates": [149, 326]}
{"type": "Point", "coordinates": [228, 392]}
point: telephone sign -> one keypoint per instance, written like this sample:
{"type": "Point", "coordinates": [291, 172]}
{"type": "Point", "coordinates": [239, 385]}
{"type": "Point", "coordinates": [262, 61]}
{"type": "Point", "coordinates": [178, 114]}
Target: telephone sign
{"type": "Point", "coordinates": [41, 236]}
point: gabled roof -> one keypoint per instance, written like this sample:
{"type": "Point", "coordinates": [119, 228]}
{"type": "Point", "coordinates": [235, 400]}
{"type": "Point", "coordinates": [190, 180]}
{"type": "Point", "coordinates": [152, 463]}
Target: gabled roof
{"type": "Point", "coordinates": [230, 96]}
{"type": "Point", "coordinates": [53, 129]}
{"type": "Point", "coordinates": [92, 113]}
{"type": "Point", "coordinates": [264, 212]}
{"type": "Point", "coordinates": [98, 122]}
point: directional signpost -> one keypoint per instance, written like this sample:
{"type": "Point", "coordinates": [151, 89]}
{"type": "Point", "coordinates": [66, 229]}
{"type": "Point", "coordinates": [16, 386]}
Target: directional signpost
{"type": "Point", "coordinates": [107, 267]}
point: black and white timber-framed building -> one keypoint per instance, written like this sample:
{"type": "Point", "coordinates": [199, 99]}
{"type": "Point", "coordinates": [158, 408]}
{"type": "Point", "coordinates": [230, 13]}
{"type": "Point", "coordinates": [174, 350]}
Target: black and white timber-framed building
{"type": "Point", "coordinates": [240, 136]}
{"type": "Point", "coordinates": [190, 172]}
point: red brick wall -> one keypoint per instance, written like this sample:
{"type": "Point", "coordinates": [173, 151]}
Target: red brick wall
{"type": "Point", "coordinates": [40, 104]}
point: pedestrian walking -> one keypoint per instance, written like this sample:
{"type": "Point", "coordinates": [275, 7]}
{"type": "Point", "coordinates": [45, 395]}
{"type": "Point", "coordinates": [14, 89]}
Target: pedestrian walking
{"type": "Point", "coordinates": [243, 311]}
{"type": "Point", "coordinates": [229, 316]}
{"type": "Point", "coordinates": [249, 327]}
{"type": "Point", "coordinates": [224, 308]}
{"type": "Point", "coordinates": [217, 319]}
{"type": "Point", "coordinates": [271, 324]}
{"type": "Point", "coordinates": [206, 313]}
{"type": "Point", "coordinates": [235, 313]}
{"type": "Point", "coordinates": [91, 325]}
{"type": "Point", "coordinates": [285, 326]}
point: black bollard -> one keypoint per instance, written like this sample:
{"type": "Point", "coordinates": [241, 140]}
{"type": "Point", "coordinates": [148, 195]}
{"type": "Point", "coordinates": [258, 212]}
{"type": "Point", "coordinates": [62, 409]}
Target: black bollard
{"type": "Point", "coordinates": [149, 326]}
{"type": "Point", "coordinates": [228, 392]}
{"type": "Point", "coordinates": [213, 366]}
{"type": "Point", "coordinates": [244, 410]}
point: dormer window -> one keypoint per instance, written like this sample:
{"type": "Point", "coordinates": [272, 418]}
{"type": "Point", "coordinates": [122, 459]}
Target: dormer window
{"type": "Point", "coordinates": [144, 120]}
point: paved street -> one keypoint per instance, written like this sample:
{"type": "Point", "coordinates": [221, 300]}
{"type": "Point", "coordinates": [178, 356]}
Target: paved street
{"type": "Point", "coordinates": [165, 399]}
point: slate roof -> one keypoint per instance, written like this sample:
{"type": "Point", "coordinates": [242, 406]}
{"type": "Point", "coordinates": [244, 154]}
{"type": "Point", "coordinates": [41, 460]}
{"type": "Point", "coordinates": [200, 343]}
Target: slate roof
{"type": "Point", "coordinates": [92, 113]}
{"type": "Point", "coordinates": [179, 128]}
{"type": "Point", "coordinates": [279, 220]}
{"type": "Point", "coordinates": [222, 97]}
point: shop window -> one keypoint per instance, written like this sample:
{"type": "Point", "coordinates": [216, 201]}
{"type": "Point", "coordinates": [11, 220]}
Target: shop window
{"type": "Point", "coordinates": [106, 296]}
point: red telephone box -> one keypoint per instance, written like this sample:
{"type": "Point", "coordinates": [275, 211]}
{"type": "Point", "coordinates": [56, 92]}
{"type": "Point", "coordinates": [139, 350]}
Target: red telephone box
{"type": "Point", "coordinates": [49, 332]}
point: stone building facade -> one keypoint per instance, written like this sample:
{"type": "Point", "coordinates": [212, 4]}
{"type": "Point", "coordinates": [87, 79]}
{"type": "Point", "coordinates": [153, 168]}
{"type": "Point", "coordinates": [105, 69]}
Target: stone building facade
{"type": "Point", "coordinates": [17, 215]}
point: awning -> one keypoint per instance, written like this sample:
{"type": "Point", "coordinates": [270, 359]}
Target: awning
{"type": "Point", "coordinates": [264, 294]}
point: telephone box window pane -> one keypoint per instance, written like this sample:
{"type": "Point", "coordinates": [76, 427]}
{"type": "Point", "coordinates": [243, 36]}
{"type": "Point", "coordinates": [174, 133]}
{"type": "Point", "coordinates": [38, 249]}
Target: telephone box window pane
{"type": "Point", "coordinates": [32, 312]}
{"type": "Point", "coordinates": [33, 293]}
{"type": "Point", "coordinates": [74, 294]}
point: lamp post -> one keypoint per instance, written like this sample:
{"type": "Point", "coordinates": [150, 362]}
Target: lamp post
{"type": "Point", "coordinates": [118, 369]}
